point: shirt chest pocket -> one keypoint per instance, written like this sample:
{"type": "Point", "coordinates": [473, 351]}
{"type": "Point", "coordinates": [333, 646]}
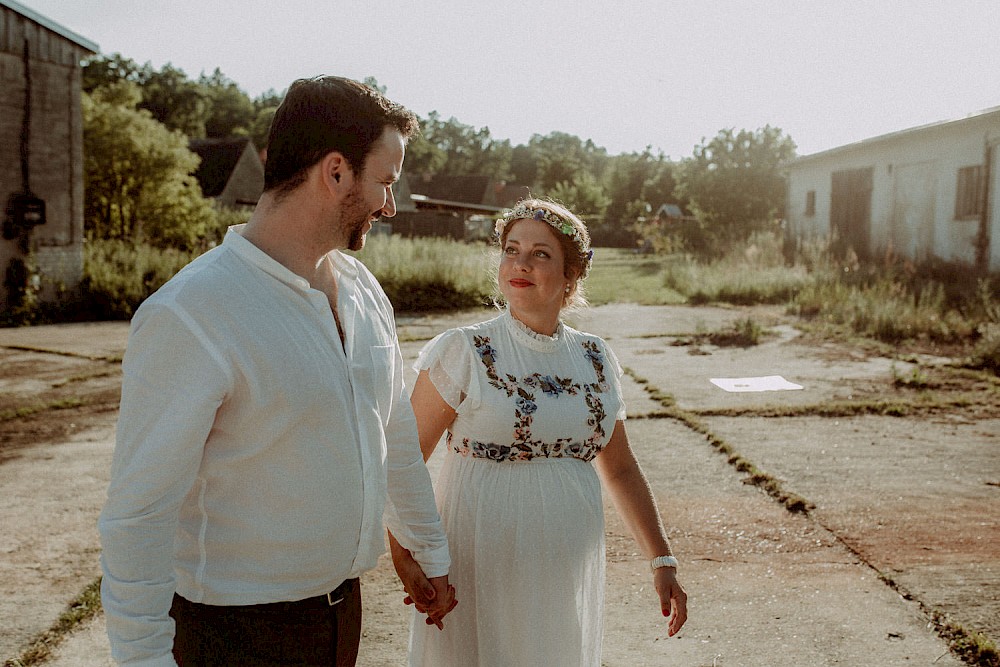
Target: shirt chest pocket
{"type": "Point", "coordinates": [374, 378]}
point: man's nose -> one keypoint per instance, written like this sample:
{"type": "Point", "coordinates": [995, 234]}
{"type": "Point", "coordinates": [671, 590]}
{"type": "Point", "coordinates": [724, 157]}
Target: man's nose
{"type": "Point", "coordinates": [389, 209]}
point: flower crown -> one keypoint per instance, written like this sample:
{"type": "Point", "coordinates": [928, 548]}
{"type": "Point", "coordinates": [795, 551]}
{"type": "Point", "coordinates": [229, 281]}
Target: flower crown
{"type": "Point", "coordinates": [523, 212]}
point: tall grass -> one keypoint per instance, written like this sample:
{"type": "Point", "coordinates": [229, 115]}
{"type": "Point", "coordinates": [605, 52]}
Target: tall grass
{"type": "Point", "coordinates": [756, 274]}
{"type": "Point", "coordinates": [887, 310]}
{"type": "Point", "coordinates": [892, 303]}
{"type": "Point", "coordinates": [431, 273]}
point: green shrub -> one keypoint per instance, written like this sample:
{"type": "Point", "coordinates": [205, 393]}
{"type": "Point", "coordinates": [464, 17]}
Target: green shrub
{"type": "Point", "coordinates": [425, 274]}
{"type": "Point", "coordinates": [118, 276]}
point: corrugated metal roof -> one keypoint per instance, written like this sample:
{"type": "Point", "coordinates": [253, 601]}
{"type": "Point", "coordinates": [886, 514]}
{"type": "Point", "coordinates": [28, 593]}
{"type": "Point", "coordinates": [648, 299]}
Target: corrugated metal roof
{"type": "Point", "coordinates": [51, 25]}
{"type": "Point", "coordinates": [899, 134]}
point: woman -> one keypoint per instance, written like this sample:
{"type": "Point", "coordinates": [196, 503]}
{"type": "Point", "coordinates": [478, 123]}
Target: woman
{"type": "Point", "coordinates": [535, 425]}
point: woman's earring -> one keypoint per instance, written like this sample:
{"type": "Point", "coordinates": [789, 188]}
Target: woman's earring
{"type": "Point", "coordinates": [567, 289]}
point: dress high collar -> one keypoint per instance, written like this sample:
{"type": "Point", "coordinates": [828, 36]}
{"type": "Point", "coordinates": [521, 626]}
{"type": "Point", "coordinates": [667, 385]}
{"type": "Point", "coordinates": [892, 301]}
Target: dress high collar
{"type": "Point", "coordinates": [524, 335]}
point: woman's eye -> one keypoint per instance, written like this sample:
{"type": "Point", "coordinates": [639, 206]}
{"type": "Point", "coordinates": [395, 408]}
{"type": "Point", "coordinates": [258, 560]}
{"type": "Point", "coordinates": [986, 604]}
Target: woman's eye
{"type": "Point", "coordinates": [542, 253]}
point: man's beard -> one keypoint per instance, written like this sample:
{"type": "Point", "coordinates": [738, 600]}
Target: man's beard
{"type": "Point", "coordinates": [355, 217]}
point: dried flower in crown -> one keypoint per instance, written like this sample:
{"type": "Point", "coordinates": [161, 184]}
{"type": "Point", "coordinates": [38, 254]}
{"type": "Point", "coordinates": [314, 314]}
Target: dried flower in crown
{"type": "Point", "coordinates": [523, 212]}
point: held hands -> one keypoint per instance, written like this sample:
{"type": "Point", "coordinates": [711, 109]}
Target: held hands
{"type": "Point", "coordinates": [434, 597]}
{"type": "Point", "coordinates": [673, 599]}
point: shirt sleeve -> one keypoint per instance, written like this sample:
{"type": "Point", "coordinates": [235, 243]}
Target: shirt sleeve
{"type": "Point", "coordinates": [172, 385]}
{"type": "Point", "coordinates": [446, 359]}
{"type": "Point", "coordinates": [411, 512]}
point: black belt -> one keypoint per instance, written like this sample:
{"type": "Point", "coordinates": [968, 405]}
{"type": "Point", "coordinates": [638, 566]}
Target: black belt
{"type": "Point", "coordinates": [325, 600]}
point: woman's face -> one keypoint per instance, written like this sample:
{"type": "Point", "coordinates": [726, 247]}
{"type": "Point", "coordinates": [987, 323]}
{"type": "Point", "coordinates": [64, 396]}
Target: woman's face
{"type": "Point", "coordinates": [533, 268]}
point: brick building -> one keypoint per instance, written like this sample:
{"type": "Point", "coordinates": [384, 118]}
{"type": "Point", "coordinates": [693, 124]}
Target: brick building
{"type": "Point", "coordinates": [41, 153]}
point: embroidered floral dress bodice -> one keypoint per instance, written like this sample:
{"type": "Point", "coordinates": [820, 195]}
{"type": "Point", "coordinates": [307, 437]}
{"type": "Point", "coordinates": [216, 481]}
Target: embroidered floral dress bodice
{"type": "Point", "coordinates": [519, 496]}
{"type": "Point", "coordinates": [547, 396]}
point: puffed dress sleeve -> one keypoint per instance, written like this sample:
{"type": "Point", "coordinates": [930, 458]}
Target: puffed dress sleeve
{"type": "Point", "coordinates": [615, 379]}
{"type": "Point", "coordinates": [448, 360]}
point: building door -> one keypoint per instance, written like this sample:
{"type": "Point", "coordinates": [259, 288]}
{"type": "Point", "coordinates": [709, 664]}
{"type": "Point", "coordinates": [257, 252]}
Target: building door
{"type": "Point", "coordinates": [851, 211]}
{"type": "Point", "coordinates": [913, 204]}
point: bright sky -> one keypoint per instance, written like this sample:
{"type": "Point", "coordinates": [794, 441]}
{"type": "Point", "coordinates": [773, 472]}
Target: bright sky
{"type": "Point", "coordinates": [624, 73]}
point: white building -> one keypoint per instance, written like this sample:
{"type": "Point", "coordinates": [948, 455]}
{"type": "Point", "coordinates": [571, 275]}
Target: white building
{"type": "Point", "coordinates": [929, 191]}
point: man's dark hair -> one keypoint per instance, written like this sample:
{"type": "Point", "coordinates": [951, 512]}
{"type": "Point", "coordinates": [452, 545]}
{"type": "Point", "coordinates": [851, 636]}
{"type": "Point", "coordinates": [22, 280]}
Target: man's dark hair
{"type": "Point", "coordinates": [324, 114]}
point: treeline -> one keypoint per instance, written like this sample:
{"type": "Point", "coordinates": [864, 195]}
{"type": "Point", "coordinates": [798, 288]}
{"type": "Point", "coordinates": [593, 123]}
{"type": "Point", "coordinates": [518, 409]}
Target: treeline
{"type": "Point", "coordinates": [138, 121]}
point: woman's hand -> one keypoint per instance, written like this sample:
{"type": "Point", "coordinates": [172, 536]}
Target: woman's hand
{"type": "Point", "coordinates": [434, 597]}
{"type": "Point", "coordinates": [673, 599]}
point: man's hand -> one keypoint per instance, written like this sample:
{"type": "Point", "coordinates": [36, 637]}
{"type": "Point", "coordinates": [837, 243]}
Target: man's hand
{"type": "Point", "coordinates": [434, 597]}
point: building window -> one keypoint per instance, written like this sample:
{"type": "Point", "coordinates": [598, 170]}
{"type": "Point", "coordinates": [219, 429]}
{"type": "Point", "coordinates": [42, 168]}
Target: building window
{"type": "Point", "coordinates": [811, 202]}
{"type": "Point", "coordinates": [969, 193]}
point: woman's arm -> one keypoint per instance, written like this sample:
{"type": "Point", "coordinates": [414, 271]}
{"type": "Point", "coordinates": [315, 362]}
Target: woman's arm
{"type": "Point", "coordinates": [629, 489]}
{"type": "Point", "coordinates": [433, 414]}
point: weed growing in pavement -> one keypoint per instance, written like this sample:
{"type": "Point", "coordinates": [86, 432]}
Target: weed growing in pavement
{"type": "Point", "coordinates": [86, 606]}
{"type": "Point", "coordinates": [754, 475]}
{"type": "Point", "coordinates": [28, 410]}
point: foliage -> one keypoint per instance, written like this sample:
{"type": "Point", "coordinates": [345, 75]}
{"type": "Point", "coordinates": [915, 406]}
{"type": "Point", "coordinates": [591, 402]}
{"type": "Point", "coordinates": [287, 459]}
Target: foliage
{"type": "Point", "coordinates": [451, 147]}
{"type": "Point", "coordinates": [890, 308]}
{"type": "Point", "coordinates": [735, 183]}
{"type": "Point", "coordinates": [138, 174]}
{"type": "Point", "coordinates": [22, 284]}
{"type": "Point", "coordinates": [584, 196]}
{"type": "Point", "coordinates": [637, 184]}
{"type": "Point", "coordinates": [175, 101]}
{"type": "Point", "coordinates": [229, 110]}
{"type": "Point", "coordinates": [744, 332]}
{"type": "Point", "coordinates": [755, 274]}
{"type": "Point", "coordinates": [426, 274]}
{"type": "Point", "coordinates": [100, 71]}
{"type": "Point", "coordinates": [561, 158]}
{"type": "Point", "coordinates": [211, 106]}
{"type": "Point", "coordinates": [118, 276]}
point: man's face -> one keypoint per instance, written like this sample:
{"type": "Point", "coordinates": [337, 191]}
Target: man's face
{"type": "Point", "coordinates": [370, 196]}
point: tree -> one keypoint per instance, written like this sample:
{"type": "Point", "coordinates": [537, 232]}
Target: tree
{"type": "Point", "coordinates": [264, 107]}
{"type": "Point", "coordinates": [561, 157]}
{"type": "Point", "coordinates": [451, 147]}
{"type": "Point", "coordinates": [637, 184]}
{"type": "Point", "coordinates": [229, 110]}
{"type": "Point", "coordinates": [176, 101]}
{"type": "Point", "coordinates": [584, 196]}
{"type": "Point", "coordinates": [735, 182]}
{"type": "Point", "coordinates": [137, 174]}
{"type": "Point", "coordinates": [103, 70]}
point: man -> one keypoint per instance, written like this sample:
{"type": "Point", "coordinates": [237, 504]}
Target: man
{"type": "Point", "coordinates": [264, 421]}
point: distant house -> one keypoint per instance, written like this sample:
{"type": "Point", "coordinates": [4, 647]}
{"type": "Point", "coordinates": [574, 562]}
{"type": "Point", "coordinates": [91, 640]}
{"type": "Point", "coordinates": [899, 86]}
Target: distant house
{"type": "Point", "coordinates": [230, 172]}
{"type": "Point", "coordinates": [926, 192]}
{"type": "Point", "coordinates": [458, 207]}
{"type": "Point", "coordinates": [670, 213]}
{"type": "Point", "coordinates": [41, 153]}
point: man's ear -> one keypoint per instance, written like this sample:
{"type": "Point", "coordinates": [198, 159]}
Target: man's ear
{"type": "Point", "coordinates": [335, 172]}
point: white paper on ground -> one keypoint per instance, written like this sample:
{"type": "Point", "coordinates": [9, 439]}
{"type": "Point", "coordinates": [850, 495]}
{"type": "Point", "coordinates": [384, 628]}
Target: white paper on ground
{"type": "Point", "coordinates": [767, 383]}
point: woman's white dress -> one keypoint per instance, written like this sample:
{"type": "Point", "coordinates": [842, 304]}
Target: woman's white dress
{"type": "Point", "coordinates": [519, 496]}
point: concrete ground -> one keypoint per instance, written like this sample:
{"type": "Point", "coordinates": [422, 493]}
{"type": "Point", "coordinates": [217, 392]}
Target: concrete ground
{"type": "Point", "coordinates": [854, 582]}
